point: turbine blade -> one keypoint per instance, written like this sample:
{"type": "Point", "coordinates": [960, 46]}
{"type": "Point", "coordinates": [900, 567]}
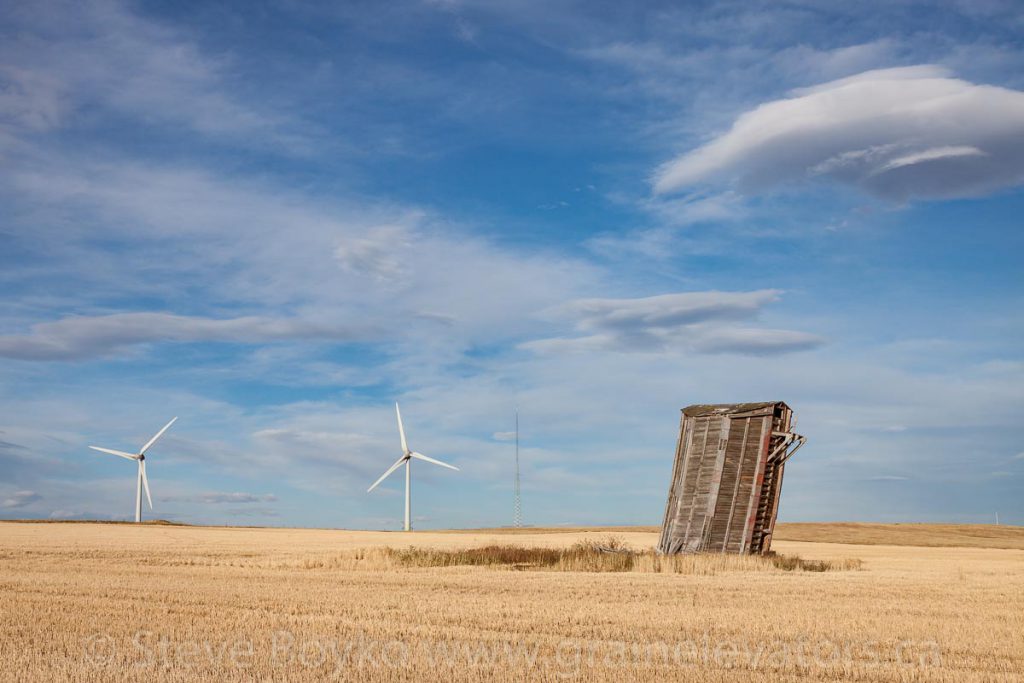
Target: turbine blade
{"type": "Point", "coordinates": [113, 452]}
{"type": "Point", "coordinates": [401, 429]}
{"type": "Point", "coordinates": [436, 462]}
{"type": "Point", "coordinates": [145, 482]}
{"type": "Point", "coordinates": [158, 435]}
{"type": "Point", "coordinates": [398, 463]}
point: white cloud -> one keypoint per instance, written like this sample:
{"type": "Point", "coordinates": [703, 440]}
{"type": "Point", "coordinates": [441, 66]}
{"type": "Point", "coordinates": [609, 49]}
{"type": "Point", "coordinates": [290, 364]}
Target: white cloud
{"type": "Point", "coordinates": [67, 514]}
{"type": "Point", "coordinates": [252, 512]}
{"type": "Point", "coordinates": [662, 241]}
{"type": "Point", "coordinates": [29, 99]}
{"type": "Point", "coordinates": [79, 337]}
{"type": "Point", "coordinates": [698, 321]}
{"type": "Point", "coordinates": [20, 499]}
{"type": "Point", "coordinates": [311, 437]}
{"type": "Point", "coordinates": [219, 498]}
{"type": "Point", "coordinates": [67, 56]}
{"type": "Point", "coordinates": [289, 256]}
{"type": "Point", "coordinates": [375, 253]}
{"type": "Point", "coordinates": [932, 154]}
{"type": "Point", "coordinates": [755, 341]}
{"type": "Point", "coordinates": [666, 310]}
{"type": "Point", "coordinates": [902, 133]}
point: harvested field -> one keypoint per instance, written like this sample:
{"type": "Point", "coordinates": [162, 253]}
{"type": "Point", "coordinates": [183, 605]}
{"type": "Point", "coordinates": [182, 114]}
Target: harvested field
{"type": "Point", "coordinates": [930, 535]}
{"type": "Point", "coordinates": [149, 602]}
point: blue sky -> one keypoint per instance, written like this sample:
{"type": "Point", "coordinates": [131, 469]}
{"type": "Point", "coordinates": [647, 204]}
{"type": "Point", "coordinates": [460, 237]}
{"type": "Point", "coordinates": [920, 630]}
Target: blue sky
{"type": "Point", "coordinates": [274, 220]}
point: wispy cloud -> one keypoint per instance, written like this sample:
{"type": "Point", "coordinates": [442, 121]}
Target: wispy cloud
{"type": "Point", "coordinates": [74, 513]}
{"type": "Point", "coordinates": [80, 337]}
{"type": "Point", "coordinates": [222, 498]}
{"type": "Point", "coordinates": [68, 57]}
{"type": "Point", "coordinates": [20, 499]}
{"type": "Point", "coordinates": [250, 512]}
{"type": "Point", "coordinates": [697, 321]}
{"type": "Point", "coordinates": [755, 341]}
{"type": "Point", "coordinates": [275, 249]}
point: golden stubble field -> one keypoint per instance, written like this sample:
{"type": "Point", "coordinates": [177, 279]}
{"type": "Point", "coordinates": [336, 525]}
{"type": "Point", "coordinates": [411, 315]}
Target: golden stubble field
{"type": "Point", "coordinates": [156, 603]}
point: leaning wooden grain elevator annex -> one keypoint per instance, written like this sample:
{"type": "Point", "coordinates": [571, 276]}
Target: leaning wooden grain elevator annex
{"type": "Point", "coordinates": [727, 477]}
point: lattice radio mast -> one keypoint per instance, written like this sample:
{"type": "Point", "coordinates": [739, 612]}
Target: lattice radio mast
{"type": "Point", "coordinates": [517, 513]}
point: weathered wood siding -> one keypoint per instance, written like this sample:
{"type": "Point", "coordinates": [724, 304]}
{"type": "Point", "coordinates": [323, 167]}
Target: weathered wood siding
{"type": "Point", "coordinates": [724, 493]}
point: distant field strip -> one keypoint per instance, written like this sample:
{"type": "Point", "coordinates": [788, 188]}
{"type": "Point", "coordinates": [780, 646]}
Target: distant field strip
{"type": "Point", "coordinates": [927, 535]}
{"type": "Point", "coordinates": [856, 533]}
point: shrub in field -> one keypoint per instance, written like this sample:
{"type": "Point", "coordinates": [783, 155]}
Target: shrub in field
{"type": "Point", "coordinates": [794, 563]}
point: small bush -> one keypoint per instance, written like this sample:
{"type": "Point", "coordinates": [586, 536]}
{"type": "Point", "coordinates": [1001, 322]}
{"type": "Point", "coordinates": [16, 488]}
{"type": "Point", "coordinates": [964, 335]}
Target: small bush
{"type": "Point", "coordinates": [487, 556]}
{"type": "Point", "coordinates": [791, 563]}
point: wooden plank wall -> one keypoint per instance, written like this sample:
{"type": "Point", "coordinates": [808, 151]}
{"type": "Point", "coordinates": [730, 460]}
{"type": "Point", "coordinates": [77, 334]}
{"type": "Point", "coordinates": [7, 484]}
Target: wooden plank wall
{"type": "Point", "coordinates": [695, 460]}
{"type": "Point", "coordinates": [741, 464]}
{"type": "Point", "coordinates": [717, 479]}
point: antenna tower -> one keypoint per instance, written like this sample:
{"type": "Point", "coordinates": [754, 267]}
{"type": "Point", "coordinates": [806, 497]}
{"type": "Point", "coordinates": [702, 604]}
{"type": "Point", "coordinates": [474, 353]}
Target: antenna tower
{"type": "Point", "coordinates": [517, 513]}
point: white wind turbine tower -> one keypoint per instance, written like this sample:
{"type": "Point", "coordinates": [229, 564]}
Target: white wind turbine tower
{"type": "Point", "coordinates": [406, 459]}
{"type": "Point", "coordinates": [141, 481]}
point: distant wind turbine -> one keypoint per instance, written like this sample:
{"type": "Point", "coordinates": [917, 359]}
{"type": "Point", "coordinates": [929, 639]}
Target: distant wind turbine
{"type": "Point", "coordinates": [141, 481]}
{"type": "Point", "coordinates": [406, 459]}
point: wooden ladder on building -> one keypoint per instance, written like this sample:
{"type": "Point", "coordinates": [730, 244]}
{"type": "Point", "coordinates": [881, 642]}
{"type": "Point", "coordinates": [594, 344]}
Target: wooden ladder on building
{"type": "Point", "coordinates": [765, 506]}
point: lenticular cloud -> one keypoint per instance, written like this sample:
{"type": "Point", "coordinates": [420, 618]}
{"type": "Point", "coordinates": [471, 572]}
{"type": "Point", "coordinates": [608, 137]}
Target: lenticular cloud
{"type": "Point", "coordinates": [905, 133]}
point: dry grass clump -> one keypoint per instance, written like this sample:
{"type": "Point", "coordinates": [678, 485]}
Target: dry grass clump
{"type": "Point", "coordinates": [487, 556]}
{"type": "Point", "coordinates": [611, 555]}
{"type": "Point", "coordinates": [796, 563]}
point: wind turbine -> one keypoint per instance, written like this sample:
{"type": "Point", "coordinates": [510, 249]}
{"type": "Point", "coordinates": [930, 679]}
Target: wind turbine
{"type": "Point", "coordinates": [141, 481]}
{"type": "Point", "coordinates": [406, 459]}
